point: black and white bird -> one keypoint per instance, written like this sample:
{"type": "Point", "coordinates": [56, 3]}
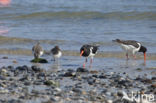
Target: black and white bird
{"type": "Point", "coordinates": [88, 51]}
{"type": "Point", "coordinates": [56, 52]}
{"type": "Point", "coordinates": [132, 46]}
{"type": "Point", "coordinates": [37, 51]}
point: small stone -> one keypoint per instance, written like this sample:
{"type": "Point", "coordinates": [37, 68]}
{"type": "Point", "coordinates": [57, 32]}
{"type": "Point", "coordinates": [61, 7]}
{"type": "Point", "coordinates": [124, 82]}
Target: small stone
{"type": "Point", "coordinates": [102, 77]}
{"type": "Point", "coordinates": [58, 89]}
{"type": "Point", "coordinates": [14, 61]}
{"type": "Point", "coordinates": [147, 81]}
{"type": "Point", "coordinates": [84, 92]}
{"type": "Point", "coordinates": [20, 68]}
{"type": "Point", "coordinates": [82, 70]}
{"type": "Point", "coordinates": [76, 90]}
{"type": "Point", "coordinates": [153, 85]}
{"type": "Point", "coordinates": [3, 91]}
{"type": "Point", "coordinates": [139, 69]}
{"type": "Point", "coordinates": [3, 70]}
{"type": "Point", "coordinates": [51, 83]}
{"type": "Point", "coordinates": [93, 72]}
{"type": "Point", "coordinates": [5, 57]}
{"type": "Point", "coordinates": [153, 78]}
{"type": "Point", "coordinates": [120, 94]}
{"type": "Point", "coordinates": [35, 68]}
{"type": "Point", "coordinates": [27, 83]}
{"type": "Point", "coordinates": [70, 73]}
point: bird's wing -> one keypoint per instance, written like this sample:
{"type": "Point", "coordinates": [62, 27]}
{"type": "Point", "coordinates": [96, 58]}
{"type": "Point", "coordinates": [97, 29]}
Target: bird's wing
{"type": "Point", "coordinates": [95, 48]}
{"type": "Point", "coordinates": [127, 42]}
{"type": "Point", "coordinates": [130, 42]}
{"type": "Point", "coordinates": [54, 51]}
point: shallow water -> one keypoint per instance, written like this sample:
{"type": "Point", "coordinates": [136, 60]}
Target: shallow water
{"type": "Point", "coordinates": [74, 23]}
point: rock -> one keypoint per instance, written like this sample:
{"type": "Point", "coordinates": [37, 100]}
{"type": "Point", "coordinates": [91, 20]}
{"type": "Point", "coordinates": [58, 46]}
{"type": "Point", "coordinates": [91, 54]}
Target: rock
{"type": "Point", "coordinates": [153, 86]}
{"type": "Point", "coordinates": [102, 76]}
{"type": "Point", "coordinates": [70, 73]}
{"type": "Point", "coordinates": [120, 94]}
{"type": "Point", "coordinates": [4, 57]}
{"type": "Point", "coordinates": [58, 89]}
{"type": "Point", "coordinates": [35, 68]}
{"type": "Point", "coordinates": [2, 77]}
{"type": "Point", "coordinates": [3, 91]}
{"type": "Point", "coordinates": [3, 71]}
{"type": "Point", "coordinates": [27, 83]}
{"type": "Point", "coordinates": [76, 90]}
{"type": "Point", "coordinates": [21, 68]}
{"type": "Point", "coordinates": [148, 81]}
{"type": "Point", "coordinates": [11, 68]}
{"type": "Point", "coordinates": [39, 60]}
{"type": "Point", "coordinates": [51, 83]}
{"type": "Point", "coordinates": [95, 76]}
{"type": "Point", "coordinates": [91, 81]}
{"type": "Point", "coordinates": [54, 99]}
{"type": "Point", "coordinates": [82, 70]}
{"type": "Point", "coordinates": [139, 69]}
{"type": "Point", "coordinates": [94, 72]}
{"type": "Point", "coordinates": [153, 78]}
{"type": "Point", "coordinates": [14, 61]}
{"type": "Point", "coordinates": [24, 78]}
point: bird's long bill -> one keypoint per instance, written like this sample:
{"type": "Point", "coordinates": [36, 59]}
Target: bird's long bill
{"type": "Point", "coordinates": [145, 58]}
{"type": "Point", "coordinates": [81, 53]}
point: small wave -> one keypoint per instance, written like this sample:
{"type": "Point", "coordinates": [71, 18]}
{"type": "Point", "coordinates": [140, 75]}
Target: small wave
{"type": "Point", "coordinates": [91, 15]}
{"type": "Point", "coordinates": [15, 40]}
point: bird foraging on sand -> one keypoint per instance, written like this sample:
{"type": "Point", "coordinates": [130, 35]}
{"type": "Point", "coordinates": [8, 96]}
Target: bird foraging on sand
{"type": "Point", "coordinates": [88, 51]}
{"type": "Point", "coordinates": [132, 46]}
{"type": "Point", "coordinates": [56, 52]}
{"type": "Point", "coordinates": [37, 50]}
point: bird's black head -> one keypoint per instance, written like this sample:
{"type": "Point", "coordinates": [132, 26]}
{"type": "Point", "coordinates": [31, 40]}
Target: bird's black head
{"type": "Point", "coordinates": [57, 47]}
{"type": "Point", "coordinates": [143, 49]}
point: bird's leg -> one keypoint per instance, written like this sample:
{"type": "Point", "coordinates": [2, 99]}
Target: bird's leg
{"type": "Point", "coordinates": [127, 56]}
{"type": "Point", "coordinates": [91, 61]}
{"type": "Point", "coordinates": [134, 56]}
{"type": "Point", "coordinates": [85, 63]}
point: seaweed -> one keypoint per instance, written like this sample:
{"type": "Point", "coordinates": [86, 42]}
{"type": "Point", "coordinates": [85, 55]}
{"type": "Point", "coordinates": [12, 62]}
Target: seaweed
{"type": "Point", "coordinates": [39, 60]}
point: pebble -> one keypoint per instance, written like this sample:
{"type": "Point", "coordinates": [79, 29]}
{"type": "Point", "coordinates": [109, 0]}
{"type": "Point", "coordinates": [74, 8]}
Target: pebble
{"type": "Point", "coordinates": [35, 68]}
{"type": "Point", "coordinates": [70, 85]}
{"type": "Point", "coordinates": [84, 70]}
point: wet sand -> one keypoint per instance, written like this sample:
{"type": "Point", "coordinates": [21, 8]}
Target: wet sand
{"type": "Point", "coordinates": [121, 55]}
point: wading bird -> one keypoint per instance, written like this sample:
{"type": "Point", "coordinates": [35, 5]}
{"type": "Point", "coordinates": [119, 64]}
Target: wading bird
{"type": "Point", "coordinates": [88, 51]}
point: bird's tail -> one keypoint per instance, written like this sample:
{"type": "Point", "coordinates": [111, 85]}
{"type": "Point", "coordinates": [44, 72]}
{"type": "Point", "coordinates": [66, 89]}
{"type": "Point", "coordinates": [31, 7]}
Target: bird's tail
{"type": "Point", "coordinates": [117, 40]}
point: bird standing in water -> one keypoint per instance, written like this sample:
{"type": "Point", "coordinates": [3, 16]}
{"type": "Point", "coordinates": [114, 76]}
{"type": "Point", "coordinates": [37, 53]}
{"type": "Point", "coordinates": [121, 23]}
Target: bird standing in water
{"type": "Point", "coordinates": [132, 46]}
{"type": "Point", "coordinates": [56, 52]}
{"type": "Point", "coordinates": [88, 51]}
{"type": "Point", "coordinates": [37, 51]}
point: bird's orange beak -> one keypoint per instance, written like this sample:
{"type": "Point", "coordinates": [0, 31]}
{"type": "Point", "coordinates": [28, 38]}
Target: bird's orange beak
{"type": "Point", "coordinates": [81, 53]}
{"type": "Point", "coordinates": [144, 58]}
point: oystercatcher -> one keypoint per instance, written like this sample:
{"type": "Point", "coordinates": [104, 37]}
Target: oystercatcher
{"type": "Point", "coordinates": [56, 52]}
{"type": "Point", "coordinates": [132, 46]}
{"type": "Point", "coordinates": [88, 51]}
{"type": "Point", "coordinates": [37, 50]}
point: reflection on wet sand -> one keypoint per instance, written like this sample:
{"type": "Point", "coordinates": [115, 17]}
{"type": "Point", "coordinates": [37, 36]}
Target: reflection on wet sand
{"type": "Point", "coordinates": [3, 30]}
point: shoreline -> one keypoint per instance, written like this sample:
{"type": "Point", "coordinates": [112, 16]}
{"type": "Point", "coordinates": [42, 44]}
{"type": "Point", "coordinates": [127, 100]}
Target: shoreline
{"type": "Point", "coordinates": [106, 54]}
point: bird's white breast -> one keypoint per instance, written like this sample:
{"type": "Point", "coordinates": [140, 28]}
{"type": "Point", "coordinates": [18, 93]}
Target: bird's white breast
{"type": "Point", "coordinates": [41, 53]}
{"type": "Point", "coordinates": [58, 55]}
